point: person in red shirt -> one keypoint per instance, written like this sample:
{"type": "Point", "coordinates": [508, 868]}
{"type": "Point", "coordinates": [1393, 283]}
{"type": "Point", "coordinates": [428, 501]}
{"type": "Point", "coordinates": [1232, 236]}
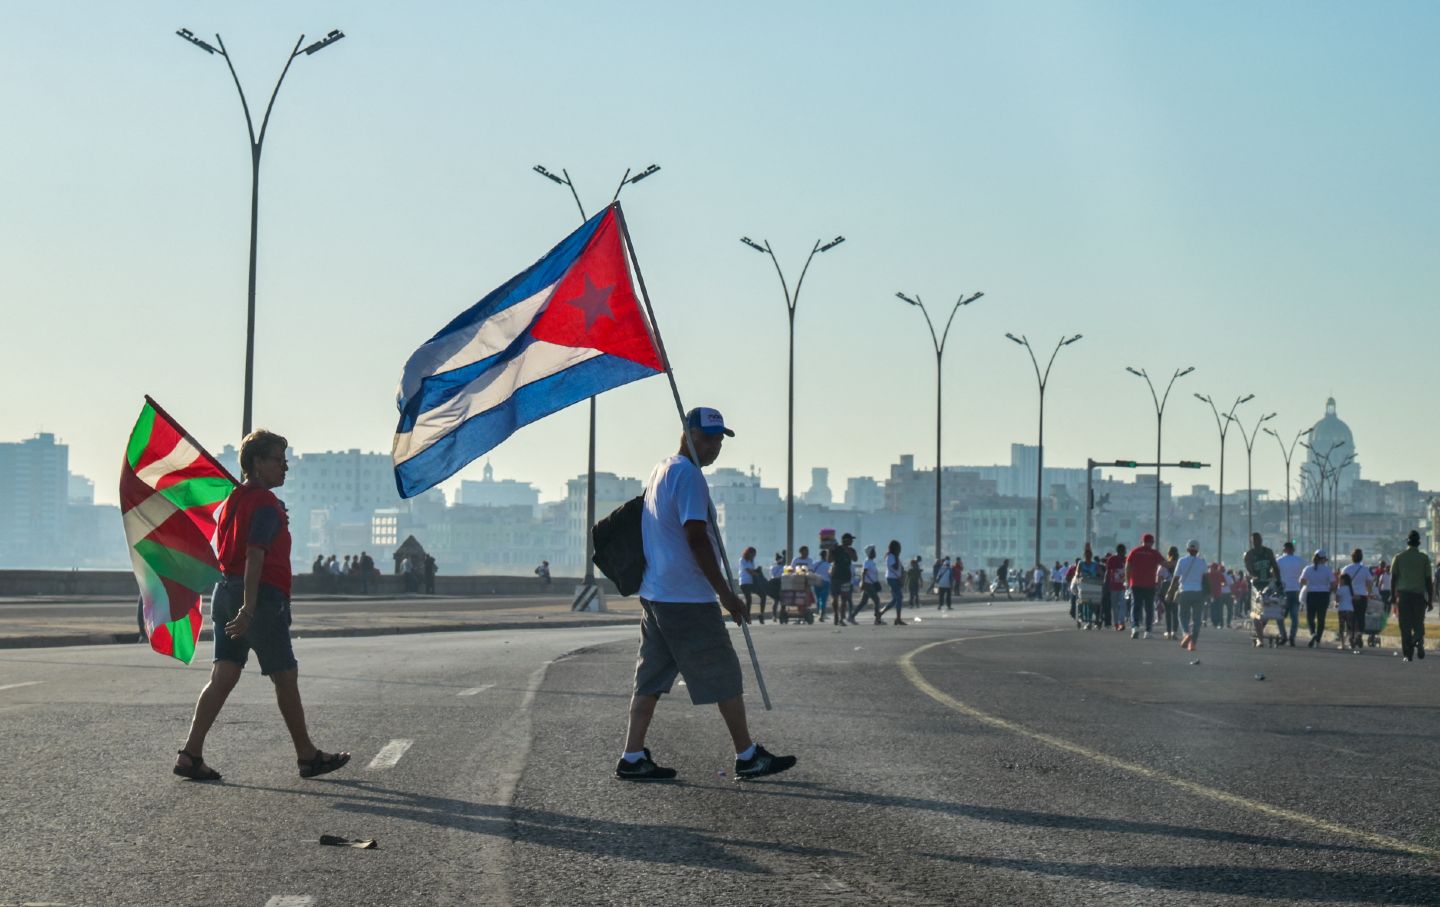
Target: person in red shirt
{"type": "Point", "coordinates": [1142, 569]}
{"type": "Point", "coordinates": [1112, 603]}
{"type": "Point", "coordinates": [251, 609]}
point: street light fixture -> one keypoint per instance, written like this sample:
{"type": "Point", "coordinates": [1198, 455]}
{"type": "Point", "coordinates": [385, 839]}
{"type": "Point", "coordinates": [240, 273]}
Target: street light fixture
{"type": "Point", "coordinates": [1320, 514]}
{"type": "Point", "coordinates": [257, 143]}
{"type": "Point", "coordinates": [1042, 380]}
{"type": "Point", "coordinates": [1160, 402]}
{"type": "Point", "coordinates": [588, 588]}
{"type": "Point", "coordinates": [939, 344]}
{"type": "Point", "coordinates": [1250, 475]}
{"type": "Point", "coordinates": [791, 301]}
{"type": "Point", "coordinates": [1288, 454]}
{"type": "Point", "coordinates": [1223, 425]}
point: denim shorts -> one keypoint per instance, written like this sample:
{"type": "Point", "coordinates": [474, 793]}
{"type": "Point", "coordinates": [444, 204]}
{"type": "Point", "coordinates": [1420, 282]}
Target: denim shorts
{"type": "Point", "coordinates": [269, 633]}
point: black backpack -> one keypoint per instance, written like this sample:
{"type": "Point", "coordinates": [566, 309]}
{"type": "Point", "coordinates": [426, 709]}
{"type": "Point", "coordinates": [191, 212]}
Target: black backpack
{"type": "Point", "coordinates": [620, 547]}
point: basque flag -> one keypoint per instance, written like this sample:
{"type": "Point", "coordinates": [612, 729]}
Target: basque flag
{"type": "Point", "coordinates": [564, 329]}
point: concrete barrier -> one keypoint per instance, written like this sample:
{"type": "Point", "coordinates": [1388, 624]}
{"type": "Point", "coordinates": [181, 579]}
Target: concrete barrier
{"type": "Point", "coordinates": [121, 584]}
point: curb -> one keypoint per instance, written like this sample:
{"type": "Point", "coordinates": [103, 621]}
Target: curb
{"type": "Point", "coordinates": [206, 635]}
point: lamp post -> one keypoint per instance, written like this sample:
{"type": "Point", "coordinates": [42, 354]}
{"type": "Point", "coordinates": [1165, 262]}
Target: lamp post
{"type": "Point", "coordinates": [1250, 474]}
{"type": "Point", "coordinates": [1160, 402]}
{"type": "Point", "coordinates": [939, 344]}
{"type": "Point", "coordinates": [791, 301]}
{"type": "Point", "coordinates": [257, 144]}
{"type": "Point", "coordinates": [1319, 514]}
{"type": "Point", "coordinates": [583, 598]}
{"type": "Point", "coordinates": [1223, 424]}
{"type": "Point", "coordinates": [1335, 502]}
{"type": "Point", "coordinates": [1288, 453]}
{"type": "Point", "coordinates": [1043, 380]}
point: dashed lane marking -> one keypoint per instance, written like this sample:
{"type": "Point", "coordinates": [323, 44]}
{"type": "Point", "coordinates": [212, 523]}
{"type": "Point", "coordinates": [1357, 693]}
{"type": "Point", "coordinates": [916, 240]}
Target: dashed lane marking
{"type": "Point", "coordinates": [290, 900]}
{"type": "Point", "coordinates": [16, 686]}
{"type": "Point", "coordinates": [912, 674]}
{"type": "Point", "coordinates": [390, 754]}
{"type": "Point", "coordinates": [475, 691]}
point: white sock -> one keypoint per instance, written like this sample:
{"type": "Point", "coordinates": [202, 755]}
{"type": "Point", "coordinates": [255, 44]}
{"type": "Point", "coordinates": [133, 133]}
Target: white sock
{"type": "Point", "coordinates": [633, 757]}
{"type": "Point", "coordinates": [748, 754]}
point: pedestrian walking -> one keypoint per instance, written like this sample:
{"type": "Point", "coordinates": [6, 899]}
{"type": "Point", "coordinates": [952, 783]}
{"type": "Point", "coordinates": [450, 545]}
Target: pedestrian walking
{"type": "Point", "coordinates": [1165, 596]}
{"type": "Point", "coordinates": [1088, 584]}
{"type": "Point", "coordinates": [1318, 582]}
{"type": "Point", "coordinates": [1414, 589]}
{"type": "Point", "coordinates": [842, 580]}
{"type": "Point", "coordinates": [1002, 577]}
{"type": "Point", "coordinates": [1112, 606]}
{"type": "Point", "coordinates": [944, 584]}
{"type": "Point", "coordinates": [1142, 567]}
{"type": "Point", "coordinates": [543, 572]}
{"type": "Point", "coordinates": [869, 584]}
{"type": "Point", "coordinates": [1361, 583]}
{"type": "Point", "coordinates": [822, 583]}
{"type": "Point", "coordinates": [1344, 609]}
{"type": "Point", "coordinates": [1188, 590]}
{"type": "Point", "coordinates": [751, 582]}
{"type": "Point", "coordinates": [912, 581]}
{"type": "Point", "coordinates": [429, 568]}
{"type": "Point", "coordinates": [682, 632]}
{"type": "Point", "coordinates": [894, 578]}
{"type": "Point", "coordinates": [1290, 566]}
{"type": "Point", "coordinates": [250, 609]}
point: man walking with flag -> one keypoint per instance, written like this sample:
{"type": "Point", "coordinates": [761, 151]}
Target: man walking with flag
{"type": "Point", "coordinates": [251, 609]}
{"type": "Point", "coordinates": [682, 632]}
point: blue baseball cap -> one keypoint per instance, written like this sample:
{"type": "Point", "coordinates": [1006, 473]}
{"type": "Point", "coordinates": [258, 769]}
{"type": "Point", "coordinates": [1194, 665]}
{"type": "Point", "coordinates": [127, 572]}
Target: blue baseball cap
{"type": "Point", "coordinates": [707, 420]}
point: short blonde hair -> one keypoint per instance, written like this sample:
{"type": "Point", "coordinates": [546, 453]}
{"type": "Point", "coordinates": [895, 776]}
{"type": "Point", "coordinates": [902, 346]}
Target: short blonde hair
{"type": "Point", "coordinates": [259, 443]}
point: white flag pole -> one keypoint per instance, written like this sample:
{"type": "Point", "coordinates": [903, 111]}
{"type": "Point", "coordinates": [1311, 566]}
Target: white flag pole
{"type": "Point", "coordinates": [680, 408]}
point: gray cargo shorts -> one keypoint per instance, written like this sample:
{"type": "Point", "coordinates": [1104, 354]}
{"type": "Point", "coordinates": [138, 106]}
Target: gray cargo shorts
{"type": "Point", "coordinates": [688, 639]}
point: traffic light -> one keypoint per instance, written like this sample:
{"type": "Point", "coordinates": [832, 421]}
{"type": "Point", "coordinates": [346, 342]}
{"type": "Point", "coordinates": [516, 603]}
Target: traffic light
{"type": "Point", "coordinates": [1127, 463]}
{"type": "Point", "coordinates": [1189, 464]}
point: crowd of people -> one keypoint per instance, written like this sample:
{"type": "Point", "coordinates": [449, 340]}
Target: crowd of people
{"type": "Point", "coordinates": [1143, 589]}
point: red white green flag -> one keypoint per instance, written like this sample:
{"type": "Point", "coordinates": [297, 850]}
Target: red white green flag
{"type": "Point", "coordinates": [170, 488]}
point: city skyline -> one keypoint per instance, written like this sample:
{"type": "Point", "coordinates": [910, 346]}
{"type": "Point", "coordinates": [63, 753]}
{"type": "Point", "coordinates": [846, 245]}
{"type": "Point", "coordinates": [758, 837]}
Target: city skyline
{"type": "Point", "coordinates": [1144, 176]}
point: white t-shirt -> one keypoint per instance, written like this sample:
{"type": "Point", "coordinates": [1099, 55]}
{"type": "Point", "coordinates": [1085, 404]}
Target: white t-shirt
{"type": "Point", "coordinates": [1039, 574]}
{"type": "Point", "coordinates": [868, 574]}
{"type": "Point", "coordinates": [749, 574]}
{"type": "Point", "coordinates": [675, 494]}
{"type": "Point", "coordinates": [803, 561]}
{"type": "Point", "coordinates": [1191, 569]}
{"type": "Point", "coordinates": [1317, 578]}
{"type": "Point", "coordinates": [822, 570]}
{"type": "Point", "coordinates": [1360, 579]}
{"type": "Point", "coordinates": [1385, 581]}
{"type": "Point", "coordinates": [893, 569]}
{"type": "Point", "coordinates": [1291, 567]}
{"type": "Point", "coordinates": [777, 570]}
{"type": "Point", "coordinates": [1343, 601]}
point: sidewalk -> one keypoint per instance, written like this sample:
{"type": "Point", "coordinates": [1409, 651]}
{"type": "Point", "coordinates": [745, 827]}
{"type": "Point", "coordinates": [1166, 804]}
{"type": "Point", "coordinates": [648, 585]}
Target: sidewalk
{"type": "Point", "coordinates": [76, 622]}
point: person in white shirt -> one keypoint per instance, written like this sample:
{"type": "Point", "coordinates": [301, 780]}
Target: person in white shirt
{"type": "Point", "coordinates": [803, 559]}
{"type": "Point", "coordinates": [1037, 589]}
{"type": "Point", "coordinates": [1360, 586]}
{"type": "Point", "coordinates": [1290, 566]}
{"type": "Point", "coordinates": [1188, 589]}
{"type": "Point", "coordinates": [682, 632]}
{"type": "Point", "coordinates": [944, 583]}
{"type": "Point", "coordinates": [869, 584]}
{"type": "Point", "coordinates": [895, 579]}
{"type": "Point", "coordinates": [821, 570]}
{"type": "Point", "coordinates": [751, 581]}
{"type": "Point", "coordinates": [1318, 581]}
{"type": "Point", "coordinates": [1344, 609]}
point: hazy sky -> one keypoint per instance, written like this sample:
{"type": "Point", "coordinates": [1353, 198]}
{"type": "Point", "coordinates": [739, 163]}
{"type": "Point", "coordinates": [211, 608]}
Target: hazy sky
{"type": "Point", "coordinates": [1250, 188]}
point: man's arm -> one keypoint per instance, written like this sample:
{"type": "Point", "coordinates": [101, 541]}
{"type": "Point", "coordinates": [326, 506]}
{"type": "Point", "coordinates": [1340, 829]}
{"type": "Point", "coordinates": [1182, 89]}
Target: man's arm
{"type": "Point", "coordinates": [697, 537]}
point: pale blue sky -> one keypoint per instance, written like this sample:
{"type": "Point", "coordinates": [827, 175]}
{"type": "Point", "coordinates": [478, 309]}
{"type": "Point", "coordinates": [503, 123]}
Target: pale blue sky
{"type": "Point", "coordinates": [1246, 187]}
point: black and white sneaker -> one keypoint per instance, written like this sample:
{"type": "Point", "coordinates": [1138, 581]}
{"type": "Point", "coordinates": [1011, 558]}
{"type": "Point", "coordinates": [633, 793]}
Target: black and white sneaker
{"type": "Point", "coordinates": [762, 763]}
{"type": "Point", "coordinates": [643, 770]}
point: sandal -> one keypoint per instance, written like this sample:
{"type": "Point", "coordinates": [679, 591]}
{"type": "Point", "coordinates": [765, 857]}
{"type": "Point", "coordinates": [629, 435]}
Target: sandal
{"type": "Point", "coordinates": [321, 763]}
{"type": "Point", "coordinates": [197, 770]}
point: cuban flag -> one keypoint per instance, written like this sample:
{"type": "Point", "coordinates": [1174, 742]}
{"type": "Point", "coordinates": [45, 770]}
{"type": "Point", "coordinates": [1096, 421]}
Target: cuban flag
{"type": "Point", "coordinates": [564, 329]}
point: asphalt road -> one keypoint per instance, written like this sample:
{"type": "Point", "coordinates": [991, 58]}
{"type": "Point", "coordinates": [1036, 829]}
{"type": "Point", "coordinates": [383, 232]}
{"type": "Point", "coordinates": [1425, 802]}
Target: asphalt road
{"type": "Point", "coordinates": [994, 756]}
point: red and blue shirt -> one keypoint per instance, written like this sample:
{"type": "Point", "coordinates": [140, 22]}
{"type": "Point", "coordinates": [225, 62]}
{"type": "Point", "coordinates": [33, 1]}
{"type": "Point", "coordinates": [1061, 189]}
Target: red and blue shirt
{"type": "Point", "coordinates": [253, 516]}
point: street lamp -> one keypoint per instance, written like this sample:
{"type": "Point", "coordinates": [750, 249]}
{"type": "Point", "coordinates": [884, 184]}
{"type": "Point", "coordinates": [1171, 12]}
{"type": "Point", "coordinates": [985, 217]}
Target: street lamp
{"type": "Point", "coordinates": [1319, 515]}
{"type": "Point", "coordinates": [1160, 402]}
{"type": "Point", "coordinates": [257, 143]}
{"type": "Point", "coordinates": [1288, 454]}
{"type": "Point", "coordinates": [589, 582]}
{"type": "Point", "coordinates": [1043, 380]}
{"type": "Point", "coordinates": [939, 344]}
{"type": "Point", "coordinates": [1249, 474]}
{"type": "Point", "coordinates": [1223, 425]}
{"type": "Point", "coordinates": [1335, 502]}
{"type": "Point", "coordinates": [791, 301]}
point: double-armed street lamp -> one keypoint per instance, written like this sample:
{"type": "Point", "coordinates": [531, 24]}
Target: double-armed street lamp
{"type": "Point", "coordinates": [791, 301]}
{"type": "Point", "coordinates": [1160, 401]}
{"type": "Point", "coordinates": [257, 143]}
{"type": "Point", "coordinates": [1320, 514]}
{"type": "Point", "coordinates": [588, 588]}
{"type": "Point", "coordinates": [939, 344]}
{"type": "Point", "coordinates": [1288, 454]}
{"type": "Point", "coordinates": [1042, 380]}
{"type": "Point", "coordinates": [1222, 423]}
{"type": "Point", "coordinates": [1249, 473]}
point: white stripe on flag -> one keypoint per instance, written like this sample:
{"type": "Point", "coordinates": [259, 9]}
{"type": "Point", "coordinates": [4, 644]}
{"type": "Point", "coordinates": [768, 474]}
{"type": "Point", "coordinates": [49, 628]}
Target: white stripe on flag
{"type": "Point", "coordinates": [539, 361]}
{"type": "Point", "coordinates": [183, 454]}
{"type": "Point", "coordinates": [141, 520]}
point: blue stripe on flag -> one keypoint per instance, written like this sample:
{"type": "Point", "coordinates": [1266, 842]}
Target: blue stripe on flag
{"type": "Point", "coordinates": [437, 389]}
{"type": "Point", "coordinates": [481, 433]}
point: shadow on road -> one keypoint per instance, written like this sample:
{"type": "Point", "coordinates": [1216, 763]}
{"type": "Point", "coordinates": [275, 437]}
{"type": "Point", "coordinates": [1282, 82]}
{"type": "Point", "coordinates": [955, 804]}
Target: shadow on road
{"type": "Point", "coordinates": [671, 844]}
{"type": "Point", "coordinates": [812, 791]}
{"type": "Point", "coordinates": [1253, 883]}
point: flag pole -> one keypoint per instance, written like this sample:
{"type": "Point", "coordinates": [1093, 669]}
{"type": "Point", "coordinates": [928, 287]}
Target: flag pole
{"type": "Point", "coordinates": [680, 409]}
{"type": "Point", "coordinates": [160, 410]}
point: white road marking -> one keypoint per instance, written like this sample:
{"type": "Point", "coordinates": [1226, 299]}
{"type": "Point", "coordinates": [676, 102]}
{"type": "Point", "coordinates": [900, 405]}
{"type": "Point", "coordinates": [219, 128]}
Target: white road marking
{"type": "Point", "coordinates": [290, 900]}
{"type": "Point", "coordinates": [16, 686]}
{"type": "Point", "coordinates": [473, 691]}
{"type": "Point", "coordinates": [389, 754]}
